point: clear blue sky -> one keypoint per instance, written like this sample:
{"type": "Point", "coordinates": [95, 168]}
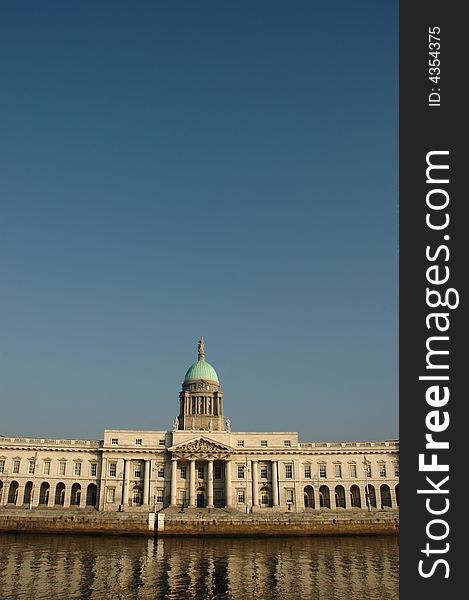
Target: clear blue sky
{"type": "Point", "coordinates": [178, 169]}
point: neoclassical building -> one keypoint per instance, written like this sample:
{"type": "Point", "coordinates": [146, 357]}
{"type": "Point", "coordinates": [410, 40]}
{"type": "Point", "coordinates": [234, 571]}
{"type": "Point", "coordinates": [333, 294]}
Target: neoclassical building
{"type": "Point", "coordinates": [199, 463]}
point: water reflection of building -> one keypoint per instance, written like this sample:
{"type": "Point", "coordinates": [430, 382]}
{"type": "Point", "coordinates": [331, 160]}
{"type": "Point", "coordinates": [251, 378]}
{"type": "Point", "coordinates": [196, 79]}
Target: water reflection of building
{"type": "Point", "coordinates": [96, 567]}
{"type": "Point", "coordinates": [200, 463]}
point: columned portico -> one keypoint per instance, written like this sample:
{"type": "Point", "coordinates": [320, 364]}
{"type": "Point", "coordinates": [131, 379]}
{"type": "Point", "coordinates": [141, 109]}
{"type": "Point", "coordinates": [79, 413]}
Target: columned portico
{"type": "Point", "coordinates": [274, 483]}
{"type": "Point", "coordinates": [210, 484]}
{"type": "Point", "coordinates": [196, 484]}
{"type": "Point", "coordinates": [255, 486]}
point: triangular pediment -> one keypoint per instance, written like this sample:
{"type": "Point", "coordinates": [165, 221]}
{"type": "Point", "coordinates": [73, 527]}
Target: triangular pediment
{"type": "Point", "coordinates": [200, 445]}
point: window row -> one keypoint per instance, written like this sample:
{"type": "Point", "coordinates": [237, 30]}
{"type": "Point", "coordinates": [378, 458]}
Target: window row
{"type": "Point", "coordinates": [338, 471]}
{"type": "Point", "coordinates": [265, 443]}
{"type": "Point", "coordinates": [137, 470]}
{"type": "Point", "coordinates": [35, 468]}
{"type": "Point", "coordinates": [138, 442]}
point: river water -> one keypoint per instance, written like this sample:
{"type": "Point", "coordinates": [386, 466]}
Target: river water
{"type": "Point", "coordinates": [60, 567]}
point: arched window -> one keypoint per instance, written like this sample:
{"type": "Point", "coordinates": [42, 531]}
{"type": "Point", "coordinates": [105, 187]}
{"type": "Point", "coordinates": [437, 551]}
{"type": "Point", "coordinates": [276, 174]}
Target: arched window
{"type": "Point", "coordinates": [59, 494]}
{"type": "Point", "coordinates": [44, 493]}
{"type": "Point", "coordinates": [324, 497]}
{"type": "Point", "coordinates": [13, 492]}
{"type": "Point", "coordinates": [309, 496]}
{"type": "Point", "coordinates": [76, 495]}
{"type": "Point", "coordinates": [137, 496]}
{"type": "Point", "coordinates": [340, 496]}
{"type": "Point", "coordinates": [28, 493]}
{"type": "Point", "coordinates": [397, 494]}
{"type": "Point", "coordinates": [371, 495]}
{"type": "Point", "coordinates": [355, 498]}
{"type": "Point", "coordinates": [385, 496]}
{"type": "Point", "coordinates": [91, 495]}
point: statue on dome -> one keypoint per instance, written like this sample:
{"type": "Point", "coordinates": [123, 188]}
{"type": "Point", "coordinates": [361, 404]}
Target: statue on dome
{"type": "Point", "coordinates": [175, 423]}
{"type": "Point", "coordinates": [201, 348]}
{"type": "Point", "coordinates": [228, 424]}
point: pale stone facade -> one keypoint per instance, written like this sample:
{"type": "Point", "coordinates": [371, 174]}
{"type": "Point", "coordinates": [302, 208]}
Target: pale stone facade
{"type": "Point", "coordinates": [200, 463]}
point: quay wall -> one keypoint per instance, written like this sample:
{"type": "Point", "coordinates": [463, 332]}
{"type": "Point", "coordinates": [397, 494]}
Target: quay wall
{"type": "Point", "coordinates": [177, 523]}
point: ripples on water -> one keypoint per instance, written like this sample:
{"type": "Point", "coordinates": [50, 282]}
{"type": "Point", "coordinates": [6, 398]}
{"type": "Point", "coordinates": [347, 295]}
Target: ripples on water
{"type": "Point", "coordinates": [54, 567]}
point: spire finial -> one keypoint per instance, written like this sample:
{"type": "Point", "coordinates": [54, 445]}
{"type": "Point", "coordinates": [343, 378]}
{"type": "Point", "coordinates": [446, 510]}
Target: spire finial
{"type": "Point", "coordinates": [201, 349]}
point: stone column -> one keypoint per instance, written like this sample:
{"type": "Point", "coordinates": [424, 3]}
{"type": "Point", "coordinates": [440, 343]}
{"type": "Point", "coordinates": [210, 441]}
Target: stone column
{"type": "Point", "coordinates": [210, 484]}
{"type": "Point", "coordinates": [274, 483]}
{"type": "Point", "coordinates": [126, 482]}
{"type": "Point", "coordinates": [255, 485]}
{"type": "Point", "coordinates": [67, 495]}
{"type": "Point", "coordinates": [102, 478]}
{"type": "Point", "coordinates": [83, 494]}
{"type": "Point", "coordinates": [228, 483]}
{"type": "Point", "coordinates": [192, 482]}
{"type": "Point", "coordinates": [36, 491]}
{"type": "Point", "coordinates": [174, 472]}
{"type": "Point", "coordinates": [51, 499]}
{"type": "Point", "coordinates": [146, 482]}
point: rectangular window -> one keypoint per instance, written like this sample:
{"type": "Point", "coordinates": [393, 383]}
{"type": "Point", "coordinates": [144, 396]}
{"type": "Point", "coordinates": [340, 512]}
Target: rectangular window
{"type": "Point", "coordinates": [353, 470]}
{"type": "Point", "coordinates": [382, 470]}
{"type": "Point", "coordinates": [241, 497]}
{"type": "Point", "coordinates": [396, 470]}
{"type": "Point", "coordinates": [241, 443]}
{"type": "Point", "coordinates": [77, 470]}
{"type": "Point", "coordinates": [183, 472]}
{"type": "Point", "coordinates": [322, 471]}
{"type": "Point", "coordinates": [159, 495]}
{"type": "Point", "coordinates": [46, 467]}
{"type": "Point", "coordinates": [264, 443]}
{"type": "Point", "coordinates": [308, 472]}
{"type": "Point", "coordinates": [93, 469]}
{"type": "Point", "coordinates": [287, 443]}
{"type": "Point", "coordinates": [368, 469]}
{"type": "Point", "coordinates": [288, 471]}
{"type": "Point", "coordinates": [138, 442]}
{"type": "Point", "coordinates": [263, 472]}
{"type": "Point", "coordinates": [160, 442]}
{"type": "Point", "coordinates": [16, 466]}
{"type": "Point", "coordinates": [138, 471]}
{"type": "Point", "coordinates": [112, 469]}
{"type": "Point", "coordinates": [114, 441]}
{"type": "Point", "coordinates": [240, 471]}
{"type": "Point", "coordinates": [160, 471]}
{"type": "Point", "coordinates": [2, 466]}
{"type": "Point", "coordinates": [62, 466]}
{"type": "Point", "coordinates": [200, 472]}
{"type": "Point", "coordinates": [337, 470]}
{"type": "Point", "coordinates": [31, 467]}
{"type": "Point", "coordinates": [111, 494]}
{"type": "Point", "coordinates": [218, 472]}
{"type": "Point", "coordinates": [289, 496]}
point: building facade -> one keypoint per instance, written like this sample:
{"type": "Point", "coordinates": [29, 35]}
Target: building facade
{"type": "Point", "coordinates": [199, 463]}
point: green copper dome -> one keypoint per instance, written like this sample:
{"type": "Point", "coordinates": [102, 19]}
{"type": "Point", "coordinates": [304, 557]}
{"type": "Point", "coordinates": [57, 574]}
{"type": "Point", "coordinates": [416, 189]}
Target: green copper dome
{"type": "Point", "coordinates": [201, 369]}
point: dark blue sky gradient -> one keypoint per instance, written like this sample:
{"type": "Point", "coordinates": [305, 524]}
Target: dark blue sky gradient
{"type": "Point", "coordinates": [177, 169]}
